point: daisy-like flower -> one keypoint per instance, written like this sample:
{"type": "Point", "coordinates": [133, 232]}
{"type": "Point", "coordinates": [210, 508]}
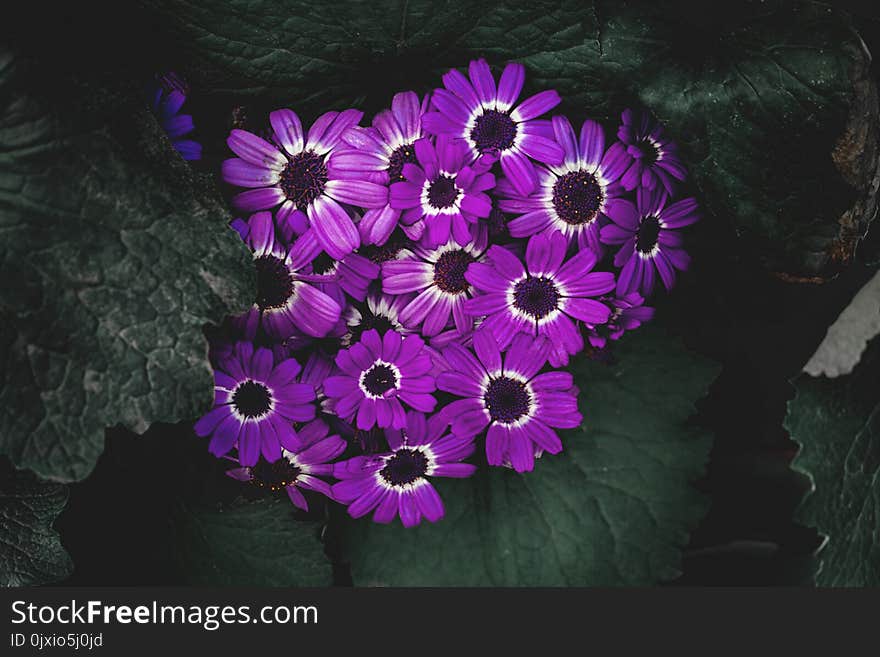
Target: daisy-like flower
{"type": "Point", "coordinates": [381, 151]}
{"type": "Point", "coordinates": [572, 197]}
{"type": "Point", "coordinates": [520, 407]}
{"type": "Point", "coordinates": [545, 297]}
{"type": "Point", "coordinates": [438, 277]}
{"type": "Point", "coordinates": [397, 246]}
{"type": "Point", "coordinates": [380, 312]}
{"type": "Point", "coordinates": [627, 313]}
{"type": "Point", "coordinates": [652, 158]}
{"type": "Point", "coordinates": [397, 482]}
{"type": "Point", "coordinates": [378, 375]}
{"type": "Point", "coordinates": [473, 109]}
{"type": "Point", "coordinates": [442, 196]}
{"type": "Point", "coordinates": [287, 300]}
{"type": "Point", "coordinates": [650, 243]}
{"type": "Point", "coordinates": [352, 275]}
{"type": "Point", "coordinates": [167, 98]}
{"type": "Point", "coordinates": [297, 468]}
{"type": "Point", "coordinates": [300, 177]}
{"type": "Point", "coordinates": [256, 402]}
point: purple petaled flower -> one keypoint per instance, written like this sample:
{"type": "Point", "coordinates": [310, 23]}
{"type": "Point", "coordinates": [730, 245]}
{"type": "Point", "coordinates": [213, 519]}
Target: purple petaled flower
{"type": "Point", "coordinates": [378, 373]}
{"type": "Point", "coordinates": [352, 275]}
{"type": "Point", "coordinates": [301, 176]}
{"type": "Point", "coordinates": [287, 300]}
{"type": "Point", "coordinates": [485, 118]}
{"type": "Point", "coordinates": [442, 196]}
{"type": "Point", "coordinates": [649, 240]}
{"type": "Point", "coordinates": [546, 297]}
{"type": "Point", "coordinates": [572, 197]}
{"type": "Point", "coordinates": [652, 159]}
{"type": "Point", "coordinates": [256, 402]}
{"type": "Point", "coordinates": [520, 407]}
{"type": "Point", "coordinates": [381, 312]}
{"type": "Point", "coordinates": [167, 98]}
{"type": "Point", "coordinates": [297, 468]}
{"type": "Point", "coordinates": [398, 482]}
{"type": "Point", "coordinates": [381, 151]}
{"type": "Point", "coordinates": [395, 248]}
{"type": "Point", "coordinates": [438, 277]}
{"type": "Point", "coordinates": [627, 313]}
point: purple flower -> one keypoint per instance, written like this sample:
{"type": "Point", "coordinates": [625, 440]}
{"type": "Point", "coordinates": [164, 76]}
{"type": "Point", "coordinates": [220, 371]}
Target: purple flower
{"type": "Point", "coordinates": [301, 176]}
{"type": "Point", "coordinates": [287, 300]}
{"type": "Point", "coordinates": [649, 240]}
{"type": "Point", "coordinates": [297, 468]}
{"type": "Point", "coordinates": [167, 98]}
{"type": "Point", "coordinates": [571, 197]}
{"type": "Point", "coordinates": [381, 151]}
{"type": "Point", "coordinates": [377, 374]}
{"type": "Point", "coordinates": [442, 196]}
{"type": "Point", "coordinates": [485, 118]}
{"type": "Point", "coordinates": [546, 297]}
{"type": "Point", "coordinates": [627, 313]}
{"type": "Point", "coordinates": [380, 312]}
{"type": "Point", "coordinates": [352, 275]}
{"type": "Point", "coordinates": [256, 402]}
{"type": "Point", "coordinates": [397, 482]}
{"type": "Point", "coordinates": [438, 277]}
{"type": "Point", "coordinates": [520, 407]}
{"type": "Point", "coordinates": [652, 159]}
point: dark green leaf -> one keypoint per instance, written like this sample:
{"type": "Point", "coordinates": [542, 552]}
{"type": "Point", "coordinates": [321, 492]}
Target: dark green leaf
{"type": "Point", "coordinates": [837, 423]}
{"type": "Point", "coordinates": [257, 543]}
{"type": "Point", "coordinates": [114, 256]}
{"type": "Point", "coordinates": [30, 549]}
{"type": "Point", "coordinates": [615, 508]}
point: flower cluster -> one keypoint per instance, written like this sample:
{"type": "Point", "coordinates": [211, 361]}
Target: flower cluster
{"type": "Point", "coordinates": [422, 282]}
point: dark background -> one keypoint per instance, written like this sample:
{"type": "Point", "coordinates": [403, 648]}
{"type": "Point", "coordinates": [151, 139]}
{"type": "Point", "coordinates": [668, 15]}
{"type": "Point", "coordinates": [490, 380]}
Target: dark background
{"type": "Point", "coordinates": [763, 330]}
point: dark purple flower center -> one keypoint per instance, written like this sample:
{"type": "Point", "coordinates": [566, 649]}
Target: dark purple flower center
{"type": "Point", "coordinates": [275, 475]}
{"type": "Point", "coordinates": [493, 131]}
{"type": "Point", "coordinates": [303, 179]}
{"type": "Point", "coordinates": [369, 321]}
{"type": "Point", "coordinates": [379, 379]}
{"type": "Point", "coordinates": [274, 284]}
{"type": "Point", "coordinates": [442, 193]}
{"type": "Point", "coordinates": [449, 271]}
{"type": "Point", "coordinates": [647, 234]}
{"type": "Point", "coordinates": [404, 467]}
{"type": "Point", "coordinates": [506, 399]}
{"type": "Point", "coordinates": [577, 197]}
{"type": "Point", "coordinates": [537, 297]}
{"type": "Point", "coordinates": [252, 399]}
{"type": "Point", "coordinates": [323, 264]}
{"type": "Point", "coordinates": [650, 151]}
{"type": "Point", "coordinates": [405, 154]}
{"type": "Point", "coordinates": [385, 252]}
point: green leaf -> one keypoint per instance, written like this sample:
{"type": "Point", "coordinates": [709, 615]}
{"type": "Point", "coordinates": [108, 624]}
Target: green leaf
{"type": "Point", "coordinates": [30, 549]}
{"type": "Point", "coordinates": [114, 255]}
{"type": "Point", "coordinates": [615, 508]}
{"type": "Point", "coordinates": [256, 543]}
{"type": "Point", "coordinates": [837, 423]}
{"type": "Point", "coordinates": [773, 102]}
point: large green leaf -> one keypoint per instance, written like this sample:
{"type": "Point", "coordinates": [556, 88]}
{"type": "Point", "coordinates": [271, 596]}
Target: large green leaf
{"type": "Point", "coordinates": [615, 508]}
{"type": "Point", "coordinates": [30, 549]}
{"type": "Point", "coordinates": [249, 543]}
{"type": "Point", "coordinates": [837, 423]}
{"type": "Point", "coordinates": [114, 255]}
{"type": "Point", "coordinates": [773, 100]}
